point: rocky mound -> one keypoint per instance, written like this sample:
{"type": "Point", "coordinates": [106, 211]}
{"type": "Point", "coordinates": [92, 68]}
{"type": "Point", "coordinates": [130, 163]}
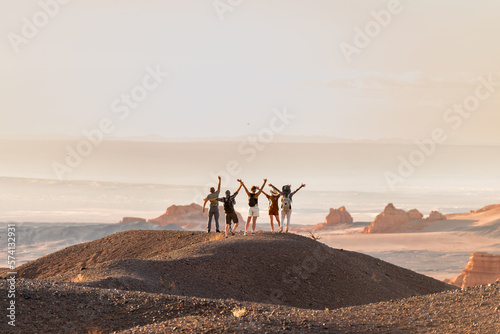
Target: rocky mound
{"type": "Point", "coordinates": [393, 220]}
{"type": "Point", "coordinates": [269, 268]}
{"type": "Point", "coordinates": [92, 310]}
{"type": "Point", "coordinates": [334, 218]}
{"type": "Point", "coordinates": [482, 268]}
{"type": "Point", "coordinates": [190, 216]}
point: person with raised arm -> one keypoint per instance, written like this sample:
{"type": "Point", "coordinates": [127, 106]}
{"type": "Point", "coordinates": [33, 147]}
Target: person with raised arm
{"type": "Point", "coordinates": [231, 216]}
{"type": "Point", "coordinates": [274, 208]}
{"type": "Point", "coordinates": [214, 207]}
{"type": "Point", "coordinates": [253, 203]}
{"type": "Point", "coordinates": [286, 204]}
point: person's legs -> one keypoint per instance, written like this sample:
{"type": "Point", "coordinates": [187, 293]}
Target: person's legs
{"type": "Point", "coordinates": [210, 215]}
{"type": "Point", "coordinates": [228, 223]}
{"type": "Point", "coordinates": [236, 223]}
{"type": "Point", "coordinates": [235, 227]}
{"type": "Point", "coordinates": [254, 224]}
{"type": "Point", "coordinates": [288, 217]}
{"type": "Point", "coordinates": [272, 225]}
{"type": "Point", "coordinates": [248, 224]}
{"type": "Point", "coordinates": [216, 216]}
{"type": "Point", "coordinates": [277, 216]}
{"type": "Point", "coordinates": [283, 214]}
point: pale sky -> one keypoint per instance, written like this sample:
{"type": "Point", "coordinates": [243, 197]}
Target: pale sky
{"type": "Point", "coordinates": [226, 76]}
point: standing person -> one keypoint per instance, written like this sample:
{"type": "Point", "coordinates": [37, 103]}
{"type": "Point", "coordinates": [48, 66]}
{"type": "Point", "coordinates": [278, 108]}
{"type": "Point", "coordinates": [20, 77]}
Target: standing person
{"type": "Point", "coordinates": [286, 204]}
{"type": "Point", "coordinates": [214, 207]}
{"type": "Point", "coordinates": [229, 202]}
{"type": "Point", "coordinates": [253, 203]}
{"type": "Point", "coordinates": [274, 208]}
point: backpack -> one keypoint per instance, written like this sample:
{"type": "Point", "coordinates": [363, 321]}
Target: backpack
{"type": "Point", "coordinates": [229, 205]}
{"type": "Point", "coordinates": [252, 200]}
{"type": "Point", "coordinates": [286, 203]}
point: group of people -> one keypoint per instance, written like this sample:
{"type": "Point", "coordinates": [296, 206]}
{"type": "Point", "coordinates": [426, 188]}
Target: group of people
{"type": "Point", "coordinates": [286, 195]}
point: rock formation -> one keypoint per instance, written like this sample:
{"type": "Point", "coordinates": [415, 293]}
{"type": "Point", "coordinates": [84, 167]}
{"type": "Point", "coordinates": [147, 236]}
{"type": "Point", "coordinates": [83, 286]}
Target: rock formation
{"type": "Point", "coordinates": [483, 268]}
{"type": "Point", "coordinates": [435, 216]}
{"type": "Point", "coordinates": [334, 218]}
{"type": "Point", "coordinates": [190, 217]}
{"type": "Point", "coordinates": [338, 216]}
{"type": "Point", "coordinates": [414, 214]}
{"type": "Point", "coordinates": [393, 220]}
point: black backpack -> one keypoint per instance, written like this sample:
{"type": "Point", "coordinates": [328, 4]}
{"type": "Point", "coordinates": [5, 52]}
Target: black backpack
{"type": "Point", "coordinates": [229, 205]}
{"type": "Point", "coordinates": [252, 200]}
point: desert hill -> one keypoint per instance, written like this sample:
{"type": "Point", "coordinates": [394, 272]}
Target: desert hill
{"type": "Point", "coordinates": [270, 268]}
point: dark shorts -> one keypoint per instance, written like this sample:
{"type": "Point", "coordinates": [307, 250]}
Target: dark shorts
{"type": "Point", "coordinates": [274, 212]}
{"type": "Point", "coordinates": [231, 216]}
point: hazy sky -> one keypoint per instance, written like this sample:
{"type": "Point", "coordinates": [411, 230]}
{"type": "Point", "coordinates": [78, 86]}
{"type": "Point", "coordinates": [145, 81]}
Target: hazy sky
{"type": "Point", "coordinates": [226, 76]}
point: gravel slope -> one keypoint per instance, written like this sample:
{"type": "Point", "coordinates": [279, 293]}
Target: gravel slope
{"type": "Point", "coordinates": [54, 307]}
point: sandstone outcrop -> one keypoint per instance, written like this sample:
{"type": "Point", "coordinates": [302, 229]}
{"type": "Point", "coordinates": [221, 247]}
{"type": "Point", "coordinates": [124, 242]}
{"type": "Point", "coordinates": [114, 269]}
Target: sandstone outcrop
{"type": "Point", "coordinates": [435, 216]}
{"type": "Point", "coordinates": [338, 216]}
{"type": "Point", "coordinates": [393, 220]}
{"type": "Point", "coordinates": [482, 268]}
{"type": "Point", "coordinates": [334, 218]}
{"type": "Point", "coordinates": [414, 214]}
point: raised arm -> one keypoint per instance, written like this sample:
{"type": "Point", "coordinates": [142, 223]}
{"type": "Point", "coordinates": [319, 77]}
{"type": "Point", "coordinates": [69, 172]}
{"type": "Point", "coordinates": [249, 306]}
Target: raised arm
{"type": "Point", "coordinates": [301, 186]}
{"type": "Point", "coordinates": [237, 191]}
{"type": "Point", "coordinates": [261, 188]}
{"type": "Point", "coordinates": [262, 191]}
{"type": "Point", "coordinates": [204, 204]}
{"type": "Point", "coordinates": [218, 186]}
{"type": "Point", "coordinates": [279, 191]}
{"type": "Point", "coordinates": [244, 187]}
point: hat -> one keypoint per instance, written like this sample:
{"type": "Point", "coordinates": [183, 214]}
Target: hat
{"type": "Point", "coordinates": [274, 192]}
